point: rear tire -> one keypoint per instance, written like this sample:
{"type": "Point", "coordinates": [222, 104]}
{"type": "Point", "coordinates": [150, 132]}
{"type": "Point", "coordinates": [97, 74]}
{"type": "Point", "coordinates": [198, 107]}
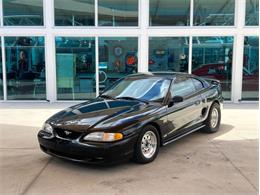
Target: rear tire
{"type": "Point", "coordinates": [147, 145]}
{"type": "Point", "coordinates": [212, 122]}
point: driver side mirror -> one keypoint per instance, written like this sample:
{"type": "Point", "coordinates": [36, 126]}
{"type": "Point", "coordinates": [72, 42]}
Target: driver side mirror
{"type": "Point", "coordinates": [175, 99]}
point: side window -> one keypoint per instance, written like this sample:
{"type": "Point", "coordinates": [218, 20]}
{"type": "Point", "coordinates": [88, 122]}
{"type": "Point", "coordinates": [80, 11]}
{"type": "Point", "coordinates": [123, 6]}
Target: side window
{"type": "Point", "coordinates": [198, 84]}
{"type": "Point", "coordinates": [212, 70]}
{"type": "Point", "coordinates": [182, 87]}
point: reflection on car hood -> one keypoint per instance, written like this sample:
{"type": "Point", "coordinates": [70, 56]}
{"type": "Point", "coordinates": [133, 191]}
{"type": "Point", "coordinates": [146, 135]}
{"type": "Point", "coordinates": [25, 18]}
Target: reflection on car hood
{"type": "Point", "coordinates": [100, 114]}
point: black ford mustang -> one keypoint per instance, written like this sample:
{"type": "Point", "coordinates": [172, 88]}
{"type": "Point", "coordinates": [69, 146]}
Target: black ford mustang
{"type": "Point", "coordinates": [133, 118]}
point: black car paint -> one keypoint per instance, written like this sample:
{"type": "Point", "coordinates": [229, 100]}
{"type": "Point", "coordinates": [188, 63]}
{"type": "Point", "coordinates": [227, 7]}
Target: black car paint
{"type": "Point", "coordinates": [127, 117]}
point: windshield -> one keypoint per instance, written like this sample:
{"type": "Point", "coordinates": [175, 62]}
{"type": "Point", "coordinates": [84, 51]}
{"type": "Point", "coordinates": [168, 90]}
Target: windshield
{"type": "Point", "coordinates": [151, 89]}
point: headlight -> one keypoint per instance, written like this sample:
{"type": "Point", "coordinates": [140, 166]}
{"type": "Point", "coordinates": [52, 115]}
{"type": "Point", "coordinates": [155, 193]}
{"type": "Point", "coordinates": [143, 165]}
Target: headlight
{"type": "Point", "coordinates": [47, 128]}
{"type": "Point", "coordinates": [103, 137]}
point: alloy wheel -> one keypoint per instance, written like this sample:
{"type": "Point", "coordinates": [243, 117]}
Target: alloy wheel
{"type": "Point", "coordinates": [149, 144]}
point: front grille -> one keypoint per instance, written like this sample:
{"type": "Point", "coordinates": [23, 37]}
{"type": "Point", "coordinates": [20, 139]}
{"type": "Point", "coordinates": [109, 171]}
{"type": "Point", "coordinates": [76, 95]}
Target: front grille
{"type": "Point", "coordinates": [68, 134]}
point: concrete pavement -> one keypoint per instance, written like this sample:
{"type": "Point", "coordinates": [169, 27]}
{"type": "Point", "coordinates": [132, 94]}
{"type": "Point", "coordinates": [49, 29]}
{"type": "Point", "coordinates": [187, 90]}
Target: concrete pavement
{"type": "Point", "coordinates": [222, 163]}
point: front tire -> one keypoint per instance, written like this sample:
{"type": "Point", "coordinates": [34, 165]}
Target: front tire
{"type": "Point", "coordinates": [212, 123]}
{"type": "Point", "coordinates": [147, 145]}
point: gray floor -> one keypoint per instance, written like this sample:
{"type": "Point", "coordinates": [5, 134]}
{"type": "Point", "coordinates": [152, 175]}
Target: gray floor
{"type": "Point", "coordinates": [221, 163]}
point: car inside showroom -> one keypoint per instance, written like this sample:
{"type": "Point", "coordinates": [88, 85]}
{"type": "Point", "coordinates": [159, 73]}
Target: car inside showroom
{"type": "Point", "coordinates": [64, 52]}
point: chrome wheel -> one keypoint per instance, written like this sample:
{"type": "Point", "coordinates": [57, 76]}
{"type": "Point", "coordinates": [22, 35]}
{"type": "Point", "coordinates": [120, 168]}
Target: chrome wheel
{"type": "Point", "coordinates": [149, 144]}
{"type": "Point", "coordinates": [214, 118]}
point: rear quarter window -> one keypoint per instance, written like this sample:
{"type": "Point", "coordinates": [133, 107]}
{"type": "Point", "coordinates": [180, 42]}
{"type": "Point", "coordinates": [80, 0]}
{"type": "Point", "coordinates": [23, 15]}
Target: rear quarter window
{"type": "Point", "coordinates": [198, 84]}
{"type": "Point", "coordinates": [182, 87]}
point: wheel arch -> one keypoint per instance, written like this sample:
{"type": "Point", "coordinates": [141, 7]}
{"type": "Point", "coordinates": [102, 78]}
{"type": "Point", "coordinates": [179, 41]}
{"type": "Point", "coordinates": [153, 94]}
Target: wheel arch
{"type": "Point", "coordinates": [205, 111]}
{"type": "Point", "coordinates": [215, 101]}
{"type": "Point", "coordinates": [157, 126]}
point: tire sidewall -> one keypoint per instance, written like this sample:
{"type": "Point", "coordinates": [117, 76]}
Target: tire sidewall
{"type": "Point", "coordinates": [215, 105]}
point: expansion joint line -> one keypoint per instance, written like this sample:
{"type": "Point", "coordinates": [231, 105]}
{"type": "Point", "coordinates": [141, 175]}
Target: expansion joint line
{"type": "Point", "coordinates": [35, 178]}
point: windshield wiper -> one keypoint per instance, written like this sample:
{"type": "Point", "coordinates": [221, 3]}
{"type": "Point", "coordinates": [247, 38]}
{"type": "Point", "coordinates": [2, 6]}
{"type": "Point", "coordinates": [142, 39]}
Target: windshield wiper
{"type": "Point", "coordinates": [107, 97]}
{"type": "Point", "coordinates": [132, 98]}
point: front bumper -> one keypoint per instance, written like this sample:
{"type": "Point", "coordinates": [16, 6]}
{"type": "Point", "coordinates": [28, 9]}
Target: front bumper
{"type": "Point", "coordinates": [91, 152]}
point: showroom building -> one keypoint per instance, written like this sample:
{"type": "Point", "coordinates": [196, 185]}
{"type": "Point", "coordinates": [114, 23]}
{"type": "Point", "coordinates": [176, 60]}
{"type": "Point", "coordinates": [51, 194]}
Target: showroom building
{"type": "Point", "coordinates": [69, 50]}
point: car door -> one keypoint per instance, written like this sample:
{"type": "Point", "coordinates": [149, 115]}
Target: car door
{"type": "Point", "coordinates": [201, 89]}
{"type": "Point", "coordinates": [183, 115]}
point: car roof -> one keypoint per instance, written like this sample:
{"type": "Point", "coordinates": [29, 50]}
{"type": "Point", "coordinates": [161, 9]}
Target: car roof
{"type": "Point", "coordinates": [168, 75]}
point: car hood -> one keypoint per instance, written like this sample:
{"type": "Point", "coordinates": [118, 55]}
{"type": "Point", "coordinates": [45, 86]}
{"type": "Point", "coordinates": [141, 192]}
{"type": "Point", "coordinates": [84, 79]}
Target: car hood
{"type": "Point", "coordinates": [102, 115]}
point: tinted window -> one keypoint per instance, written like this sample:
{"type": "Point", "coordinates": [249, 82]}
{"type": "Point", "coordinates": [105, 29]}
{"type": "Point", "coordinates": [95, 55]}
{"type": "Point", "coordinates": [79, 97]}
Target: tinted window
{"type": "Point", "coordinates": [198, 84]}
{"type": "Point", "coordinates": [168, 54]}
{"type": "Point", "coordinates": [214, 13]}
{"type": "Point", "coordinates": [23, 13]}
{"type": "Point", "coordinates": [252, 13]}
{"type": "Point", "coordinates": [250, 82]}
{"type": "Point", "coordinates": [117, 58]}
{"type": "Point", "coordinates": [182, 87]}
{"type": "Point", "coordinates": [169, 12]}
{"type": "Point", "coordinates": [212, 58]}
{"type": "Point", "coordinates": [74, 12]}
{"type": "Point", "coordinates": [25, 68]}
{"type": "Point", "coordinates": [118, 12]}
{"type": "Point", "coordinates": [75, 68]}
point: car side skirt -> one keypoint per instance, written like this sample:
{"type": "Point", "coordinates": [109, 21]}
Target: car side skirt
{"type": "Point", "coordinates": [182, 135]}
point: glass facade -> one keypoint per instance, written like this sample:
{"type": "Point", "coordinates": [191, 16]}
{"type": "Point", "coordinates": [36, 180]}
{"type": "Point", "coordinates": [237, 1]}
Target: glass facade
{"type": "Point", "coordinates": [92, 43]}
{"type": "Point", "coordinates": [118, 12]}
{"type": "Point", "coordinates": [252, 13]}
{"type": "Point", "coordinates": [168, 54]}
{"type": "Point", "coordinates": [214, 13]}
{"type": "Point", "coordinates": [212, 58]}
{"type": "Point", "coordinates": [74, 12]}
{"type": "Point", "coordinates": [250, 82]}
{"type": "Point", "coordinates": [169, 13]}
{"type": "Point", "coordinates": [25, 68]}
{"type": "Point", "coordinates": [75, 68]}
{"type": "Point", "coordinates": [117, 58]}
{"type": "Point", "coordinates": [23, 13]}
{"type": "Point", "coordinates": [1, 74]}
